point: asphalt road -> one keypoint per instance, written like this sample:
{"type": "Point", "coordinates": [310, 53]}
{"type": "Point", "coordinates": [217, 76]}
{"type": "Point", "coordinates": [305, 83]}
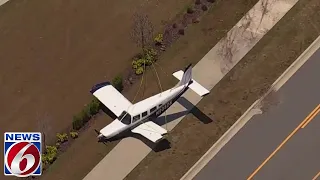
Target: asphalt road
{"type": "Point", "coordinates": [298, 158]}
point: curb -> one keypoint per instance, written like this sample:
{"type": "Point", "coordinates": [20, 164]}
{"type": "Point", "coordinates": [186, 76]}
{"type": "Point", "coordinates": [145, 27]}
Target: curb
{"type": "Point", "coordinates": [225, 138]}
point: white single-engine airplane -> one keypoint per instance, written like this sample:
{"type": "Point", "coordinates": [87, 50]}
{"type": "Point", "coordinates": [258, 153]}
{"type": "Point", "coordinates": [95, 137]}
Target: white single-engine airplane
{"type": "Point", "coordinates": [138, 117]}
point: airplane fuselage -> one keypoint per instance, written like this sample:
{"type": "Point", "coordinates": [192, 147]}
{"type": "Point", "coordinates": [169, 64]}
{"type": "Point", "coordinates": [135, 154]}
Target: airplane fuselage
{"type": "Point", "coordinates": [167, 103]}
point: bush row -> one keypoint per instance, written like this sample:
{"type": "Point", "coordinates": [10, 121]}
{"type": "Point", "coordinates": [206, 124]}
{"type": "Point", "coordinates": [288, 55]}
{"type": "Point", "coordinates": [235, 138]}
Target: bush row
{"type": "Point", "coordinates": [51, 152]}
{"type": "Point", "coordinates": [79, 120]}
{"type": "Point", "coordinates": [93, 107]}
{"type": "Point", "coordinates": [88, 111]}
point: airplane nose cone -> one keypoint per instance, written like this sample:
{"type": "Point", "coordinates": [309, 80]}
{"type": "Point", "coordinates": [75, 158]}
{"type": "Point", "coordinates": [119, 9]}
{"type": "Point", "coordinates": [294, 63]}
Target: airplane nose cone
{"type": "Point", "coordinates": [100, 136]}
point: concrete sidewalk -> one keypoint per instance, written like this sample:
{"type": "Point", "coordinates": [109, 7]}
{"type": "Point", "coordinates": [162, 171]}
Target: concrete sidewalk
{"type": "Point", "coordinates": [208, 72]}
{"type": "Point", "coordinates": [3, 1]}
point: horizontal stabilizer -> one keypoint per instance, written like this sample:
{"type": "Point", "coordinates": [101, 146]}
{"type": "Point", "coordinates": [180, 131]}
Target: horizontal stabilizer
{"type": "Point", "coordinates": [195, 86]}
{"type": "Point", "coordinates": [111, 98]}
{"type": "Point", "coordinates": [150, 130]}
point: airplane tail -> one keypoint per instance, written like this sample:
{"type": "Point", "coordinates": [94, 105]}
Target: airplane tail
{"type": "Point", "coordinates": [185, 78]}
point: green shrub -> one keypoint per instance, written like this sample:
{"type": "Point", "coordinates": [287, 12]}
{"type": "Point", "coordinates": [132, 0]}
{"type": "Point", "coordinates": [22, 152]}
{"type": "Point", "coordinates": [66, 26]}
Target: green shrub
{"type": "Point", "coordinates": [149, 57]}
{"type": "Point", "coordinates": [118, 83]}
{"type": "Point", "coordinates": [62, 137]}
{"type": "Point", "coordinates": [134, 64]}
{"type": "Point", "coordinates": [77, 122]}
{"type": "Point", "coordinates": [151, 53]}
{"type": "Point", "coordinates": [44, 159]}
{"type": "Point", "coordinates": [94, 106]}
{"type": "Point", "coordinates": [138, 63]}
{"type": "Point", "coordinates": [74, 135]}
{"type": "Point", "coordinates": [83, 117]}
{"type": "Point", "coordinates": [158, 39]}
{"type": "Point", "coordinates": [139, 70]}
{"type": "Point", "coordinates": [50, 156]}
{"type": "Point", "coordinates": [85, 114]}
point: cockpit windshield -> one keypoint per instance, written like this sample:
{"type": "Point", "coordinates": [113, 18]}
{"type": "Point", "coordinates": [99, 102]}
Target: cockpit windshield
{"type": "Point", "coordinates": [125, 118]}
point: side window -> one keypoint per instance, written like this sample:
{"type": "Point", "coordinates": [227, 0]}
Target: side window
{"type": "Point", "coordinates": [136, 118]}
{"type": "Point", "coordinates": [144, 114]}
{"type": "Point", "coordinates": [153, 109]}
{"type": "Point", "coordinates": [160, 105]}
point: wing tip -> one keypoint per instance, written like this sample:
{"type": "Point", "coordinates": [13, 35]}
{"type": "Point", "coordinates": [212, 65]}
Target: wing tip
{"type": "Point", "coordinates": [99, 86]}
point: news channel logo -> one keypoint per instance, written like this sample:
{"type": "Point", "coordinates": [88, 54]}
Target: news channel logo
{"type": "Point", "coordinates": [22, 154]}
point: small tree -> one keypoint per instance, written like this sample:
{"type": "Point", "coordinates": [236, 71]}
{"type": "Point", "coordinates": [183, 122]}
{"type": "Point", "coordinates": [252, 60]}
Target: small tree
{"type": "Point", "coordinates": [142, 30]}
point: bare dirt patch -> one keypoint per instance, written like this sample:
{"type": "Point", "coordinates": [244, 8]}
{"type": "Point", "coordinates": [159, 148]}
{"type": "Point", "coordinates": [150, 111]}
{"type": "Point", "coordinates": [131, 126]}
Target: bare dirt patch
{"type": "Point", "coordinates": [234, 94]}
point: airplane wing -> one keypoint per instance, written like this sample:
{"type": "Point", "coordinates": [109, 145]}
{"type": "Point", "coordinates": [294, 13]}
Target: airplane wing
{"type": "Point", "coordinates": [150, 130]}
{"type": "Point", "coordinates": [111, 97]}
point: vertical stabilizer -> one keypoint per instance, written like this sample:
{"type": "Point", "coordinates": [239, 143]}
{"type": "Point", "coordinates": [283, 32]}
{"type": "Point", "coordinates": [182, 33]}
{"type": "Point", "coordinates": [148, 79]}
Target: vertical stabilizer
{"type": "Point", "coordinates": [185, 78]}
{"type": "Point", "coordinates": [186, 75]}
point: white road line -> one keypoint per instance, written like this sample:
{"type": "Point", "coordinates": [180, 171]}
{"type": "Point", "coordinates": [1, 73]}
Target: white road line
{"type": "Point", "coordinates": [208, 72]}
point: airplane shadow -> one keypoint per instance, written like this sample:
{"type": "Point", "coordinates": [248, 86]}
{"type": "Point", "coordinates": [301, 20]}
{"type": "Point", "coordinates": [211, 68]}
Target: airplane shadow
{"type": "Point", "coordinates": [156, 147]}
{"type": "Point", "coordinates": [162, 120]}
{"type": "Point", "coordinates": [190, 108]}
{"type": "Point", "coordinates": [194, 110]}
